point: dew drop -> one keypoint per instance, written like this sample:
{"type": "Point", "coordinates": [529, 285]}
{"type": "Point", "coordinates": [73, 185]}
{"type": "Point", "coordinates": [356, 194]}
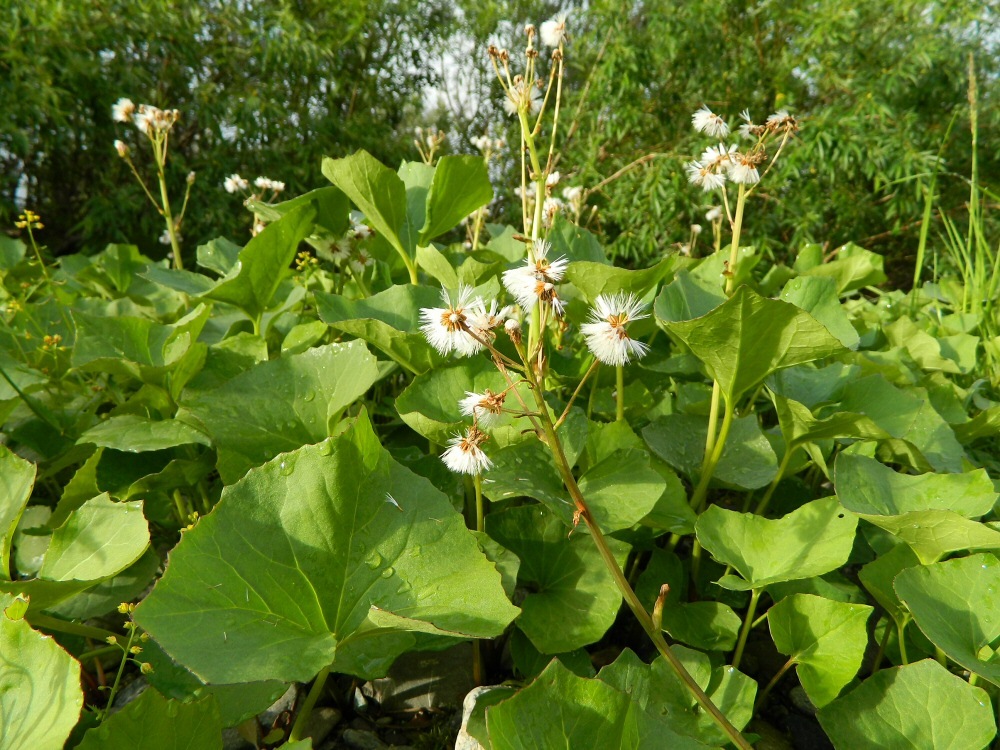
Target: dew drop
{"type": "Point", "coordinates": [287, 467]}
{"type": "Point", "coordinates": [388, 572]}
{"type": "Point", "coordinates": [308, 396]}
{"type": "Point", "coordinates": [374, 561]}
{"type": "Point", "coordinates": [326, 447]}
{"type": "Point", "coordinates": [404, 587]}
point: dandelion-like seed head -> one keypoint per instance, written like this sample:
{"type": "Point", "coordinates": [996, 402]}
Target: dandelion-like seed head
{"type": "Point", "coordinates": [553, 31]}
{"type": "Point", "coordinates": [743, 170]}
{"type": "Point", "coordinates": [234, 184]}
{"type": "Point", "coordinates": [485, 408]}
{"type": "Point", "coordinates": [606, 333]}
{"type": "Point", "coordinates": [447, 328]}
{"type": "Point", "coordinates": [464, 456]}
{"type": "Point", "coordinates": [536, 279]}
{"type": "Point", "coordinates": [782, 121]}
{"type": "Point", "coordinates": [706, 121]}
{"type": "Point", "coordinates": [522, 97]}
{"type": "Point", "coordinates": [713, 214]}
{"type": "Point", "coordinates": [707, 177]}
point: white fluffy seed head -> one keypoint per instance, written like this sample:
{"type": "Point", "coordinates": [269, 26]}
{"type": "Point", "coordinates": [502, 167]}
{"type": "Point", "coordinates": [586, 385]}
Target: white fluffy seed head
{"type": "Point", "coordinates": [605, 333]}
{"type": "Point", "coordinates": [464, 456]}
{"type": "Point", "coordinates": [553, 32]}
{"type": "Point", "coordinates": [706, 121]}
{"type": "Point", "coordinates": [447, 328]}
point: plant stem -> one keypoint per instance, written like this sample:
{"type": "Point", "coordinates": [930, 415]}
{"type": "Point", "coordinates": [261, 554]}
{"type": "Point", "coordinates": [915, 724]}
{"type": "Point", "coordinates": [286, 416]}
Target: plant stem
{"type": "Point", "coordinates": [480, 513]}
{"type": "Point", "coordinates": [770, 685]}
{"type": "Point", "coordinates": [579, 387]}
{"type": "Point", "coordinates": [782, 468]}
{"type": "Point", "coordinates": [620, 393]}
{"type": "Point", "coordinates": [118, 677]}
{"type": "Point", "coordinates": [303, 718]}
{"type": "Point", "coordinates": [63, 626]}
{"type": "Point", "coordinates": [745, 630]}
{"type": "Point", "coordinates": [881, 648]}
{"type": "Point", "coordinates": [161, 157]}
{"type": "Point", "coordinates": [555, 446]}
{"type": "Point", "coordinates": [901, 631]}
{"type": "Point", "coordinates": [701, 491]}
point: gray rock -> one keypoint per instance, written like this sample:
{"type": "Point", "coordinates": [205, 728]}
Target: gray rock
{"type": "Point", "coordinates": [233, 740]}
{"type": "Point", "coordinates": [321, 723]}
{"type": "Point", "coordinates": [428, 680]}
{"type": "Point", "coordinates": [466, 741]}
{"type": "Point", "coordinates": [359, 739]}
{"type": "Point", "coordinates": [285, 703]}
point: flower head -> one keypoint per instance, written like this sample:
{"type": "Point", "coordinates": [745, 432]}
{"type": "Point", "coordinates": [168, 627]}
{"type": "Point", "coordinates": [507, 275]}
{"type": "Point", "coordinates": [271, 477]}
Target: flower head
{"type": "Point", "coordinates": [553, 31]}
{"type": "Point", "coordinates": [122, 148]}
{"type": "Point", "coordinates": [536, 279]}
{"type": "Point", "coordinates": [706, 121]}
{"type": "Point", "coordinates": [234, 183]}
{"type": "Point", "coordinates": [705, 175]}
{"type": "Point", "coordinates": [744, 170]}
{"type": "Point", "coordinates": [606, 336]}
{"type": "Point", "coordinates": [447, 328]}
{"type": "Point", "coordinates": [122, 110]}
{"type": "Point", "coordinates": [361, 261]}
{"type": "Point", "coordinates": [265, 183]}
{"type": "Point", "coordinates": [485, 408]}
{"type": "Point", "coordinates": [482, 320]}
{"type": "Point", "coordinates": [781, 120]}
{"type": "Point", "coordinates": [713, 214]}
{"type": "Point", "coordinates": [464, 456]}
{"type": "Point", "coordinates": [522, 96]}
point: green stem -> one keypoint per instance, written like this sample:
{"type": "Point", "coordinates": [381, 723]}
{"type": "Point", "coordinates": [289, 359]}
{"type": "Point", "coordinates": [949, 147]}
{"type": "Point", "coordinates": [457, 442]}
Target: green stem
{"type": "Point", "coordinates": [480, 509]}
{"type": "Point", "coordinates": [644, 618]}
{"type": "Point", "coordinates": [97, 653]}
{"type": "Point", "coordinates": [701, 491]}
{"type": "Point", "coordinates": [881, 648]}
{"type": "Point", "coordinates": [782, 468]}
{"type": "Point", "coordinates": [713, 424]}
{"type": "Point", "coordinates": [161, 158]}
{"type": "Point", "coordinates": [620, 393]}
{"type": "Point", "coordinates": [303, 718]}
{"type": "Point", "coordinates": [770, 685]}
{"type": "Point", "coordinates": [745, 630]}
{"type": "Point", "coordinates": [118, 677]}
{"type": "Point", "coordinates": [48, 622]}
{"type": "Point", "coordinates": [901, 631]}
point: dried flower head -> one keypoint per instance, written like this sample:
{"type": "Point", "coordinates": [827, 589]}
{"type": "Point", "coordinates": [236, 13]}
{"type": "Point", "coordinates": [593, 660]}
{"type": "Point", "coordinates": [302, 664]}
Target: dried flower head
{"type": "Point", "coordinates": [522, 97]}
{"type": "Point", "coordinates": [464, 456]}
{"type": "Point", "coordinates": [485, 408]}
{"type": "Point", "coordinates": [535, 279]}
{"type": "Point", "coordinates": [447, 328]}
{"type": "Point", "coordinates": [706, 121]}
{"type": "Point", "coordinates": [606, 336]}
{"type": "Point", "coordinates": [122, 110]}
{"type": "Point", "coordinates": [743, 170]}
{"type": "Point", "coordinates": [553, 31]}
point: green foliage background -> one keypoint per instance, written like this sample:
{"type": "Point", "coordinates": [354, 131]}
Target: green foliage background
{"type": "Point", "coordinates": [270, 87]}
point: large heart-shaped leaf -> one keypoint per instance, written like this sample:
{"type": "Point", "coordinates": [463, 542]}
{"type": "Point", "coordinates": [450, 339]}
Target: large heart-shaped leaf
{"type": "Point", "coordinates": [810, 541]}
{"type": "Point", "coordinates": [389, 321]}
{"type": "Point", "coordinates": [17, 477]}
{"type": "Point", "coordinates": [932, 534]}
{"type": "Point", "coordinates": [907, 415]}
{"type": "Point", "coordinates": [572, 599]}
{"type": "Point", "coordinates": [594, 279]}
{"type": "Point", "coordinates": [263, 264]}
{"type": "Point", "coordinates": [280, 405]}
{"type": "Point", "coordinates": [325, 556]}
{"type": "Point", "coordinates": [853, 269]}
{"type": "Point", "coordinates": [687, 297]}
{"type": "Point", "coordinates": [748, 337]}
{"type": "Point", "coordinates": [921, 706]}
{"type": "Point", "coordinates": [153, 722]}
{"type": "Point", "coordinates": [748, 460]}
{"type": "Point", "coordinates": [879, 575]}
{"type": "Point", "coordinates": [818, 297]}
{"type": "Point", "coordinates": [825, 639]}
{"type": "Point", "coordinates": [40, 696]}
{"type": "Point", "coordinates": [375, 189]}
{"type": "Point", "coordinates": [799, 426]}
{"type": "Point", "coordinates": [461, 185]}
{"type": "Point", "coordinates": [957, 606]}
{"type": "Point", "coordinates": [136, 434]}
{"type": "Point", "coordinates": [866, 486]}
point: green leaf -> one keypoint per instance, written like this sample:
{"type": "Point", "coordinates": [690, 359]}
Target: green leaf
{"type": "Point", "coordinates": [687, 297]}
{"type": "Point", "coordinates": [264, 263]}
{"type": "Point", "coordinates": [293, 569]}
{"type": "Point", "coordinates": [799, 426]}
{"type": "Point", "coordinates": [574, 242]}
{"type": "Point", "coordinates": [153, 722]}
{"type": "Point", "coordinates": [854, 268]}
{"type": "Point", "coordinates": [749, 337]}
{"type": "Point", "coordinates": [11, 252]}
{"type": "Point", "coordinates": [417, 178]}
{"type": "Point", "coordinates": [17, 477]}
{"type": "Point", "coordinates": [956, 356]}
{"type": "Point", "coordinates": [437, 265]}
{"type": "Point", "coordinates": [374, 188]}
{"type": "Point", "coordinates": [332, 210]}
{"type": "Point", "coordinates": [135, 434]}
{"type": "Point", "coordinates": [707, 625]}
{"type": "Point", "coordinates": [818, 297]}
{"type": "Point", "coordinates": [280, 405]}
{"type": "Point", "coordinates": [825, 639]}
{"type": "Point", "coordinates": [622, 489]}
{"type": "Point", "coordinates": [810, 541]}
{"type": "Point", "coordinates": [906, 415]}
{"type": "Point", "coordinates": [594, 279]}
{"type": "Point", "coordinates": [957, 606]}
{"type": "Point", "coordinates": [878, 577]}
{"type": "Point", "coordinates": [303, 336]}
{"type": "Point", "coordinates": [40, 696]}
{"type": "Point", "coordinates": [135, 347]}
{"type": "Point", "coordinates": [560, 709]}
{"type": "Point", "coordinates": [920, 706]}
{"type": "Point", "coordinates": [748, 460]}
{"type": "Point", "coordinates": [813, 386]}
{"type": "Point", "coordinates": [866, 486]}
{"type": "Point", "coordinates": [126, 586]}
{"type": "Point", "coordinates": [219, 255]}
{"type": "Point", "coordinates": [572, 599]}
{"type": "Point", "coordinates": [934, 533]}
{"type": "Point", "coordinates": [98, 540]}
{"type": "Point", "coordinates": [984, 424]}
{"type": "Point", "coordinates": [461, 185]}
